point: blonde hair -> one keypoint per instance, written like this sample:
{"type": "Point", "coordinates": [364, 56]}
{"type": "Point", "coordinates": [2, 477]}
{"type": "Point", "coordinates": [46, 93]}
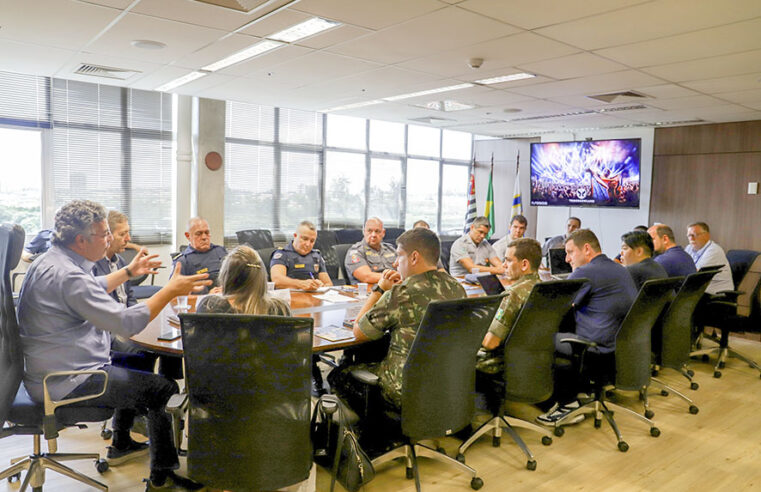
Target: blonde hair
{"type": "Point", "coordinates": [243, 279]}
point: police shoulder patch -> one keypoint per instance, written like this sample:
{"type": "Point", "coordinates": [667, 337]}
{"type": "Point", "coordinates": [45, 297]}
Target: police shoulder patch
{"type": "Point", "coordinates": [277, 256]}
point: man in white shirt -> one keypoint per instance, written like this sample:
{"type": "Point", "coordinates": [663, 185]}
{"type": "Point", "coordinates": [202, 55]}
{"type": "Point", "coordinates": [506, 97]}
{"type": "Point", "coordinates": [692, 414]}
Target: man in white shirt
{"type": "Point", "coordinates": [705, 252]}
{"type": "Point", "coordinates": [517, 229]}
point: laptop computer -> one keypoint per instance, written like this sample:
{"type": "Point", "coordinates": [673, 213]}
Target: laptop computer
{"type": "Point", "coordinates": [558, 265]}
{"type": "Point", "coordinates": [491, 284]}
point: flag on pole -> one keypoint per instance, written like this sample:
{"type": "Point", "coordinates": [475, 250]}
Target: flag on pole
{"type": "Point", "coordinates": [470, 214]}
{"type": "Point", "coordinates": [489, 209]}
{"type": "Point", "coordinates": [517, 205]}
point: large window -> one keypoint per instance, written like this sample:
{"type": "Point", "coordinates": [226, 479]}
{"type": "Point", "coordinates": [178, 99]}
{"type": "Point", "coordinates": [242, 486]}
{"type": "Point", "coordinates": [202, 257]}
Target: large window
{"type": "Point", "coordinates": [344, 190]}
{"type": "Point", "coordinates": [21, 178]}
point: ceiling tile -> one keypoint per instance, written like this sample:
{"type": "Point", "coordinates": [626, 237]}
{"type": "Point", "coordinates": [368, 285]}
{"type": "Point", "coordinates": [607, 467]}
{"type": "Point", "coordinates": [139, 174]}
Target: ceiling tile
{"type": "Point", "coordinates": [216, 51]}
{"type": "Point", "coordinates": [31, 59]}
{"type": "Point", "coordinates": [699, 101]}
{"type": "Point", "coordinates": [337, 35]}
{"type": "Point", "coordinates": [573, 66]}
{"type": "Point", "coordinates": [375, 84]}
{"type": "Point", "coordinates": [665, 91]}
{"type": "Point", "coordinates": [596, 84]}
{"type": "Point", "coordinates": [267, 60]}
{"type": "Point", "coordinates": [196, 13]}
{"type": "Point", "coordinates": [718, 66]}
{"type": "Point", "coordinates": [371, 14]}
{"type": "Point", "coordinates": [742, 97]}
{"type": "Point", "coordinates": [118, 4]}
{"type": "Point", "coordinates": [497, 53]}
{"type": "Point", "coordinates": [425, 35]}
{"type": "Point", "coordinates": [650, 20]}
{"type": "Point", "coordinates": [181, 39]}
{"type": "Point", "coordinates": [276, 23]}
{"type": "Point", "coordinates": [719, 85]}
{"type": "Point", "coordinates": [531, 14]}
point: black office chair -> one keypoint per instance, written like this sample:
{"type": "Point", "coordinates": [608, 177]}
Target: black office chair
{"type": "Point", "coordinates": [391, 234]}
{"type": "Point", "coordinates": [18, 413]}
{"type": "Point", "coordinates": [340, 251]}
{"type": "Point", "coordinates": [529, 357]}
{"type": "Point", "coordinates": [733, 311]}
{"type": "Point", "coordinates": [325, 242]}
{"type": "Point", "coordinates": [673, 331]}
{"type": "Point", "coordinates": [248, 380]}
{"type": "Point", "coordinates": [446, 250]}
{"type": "Point", "coordinates": [266, 255]}
{"type": "Point", "coordinates": [438, 381]}
{"type": "Point", "coordinates": [256, 238]}
{"type": "Point", "coordinates": [628, 368]}
{"type": "Point", "coordinates": [349, 236]}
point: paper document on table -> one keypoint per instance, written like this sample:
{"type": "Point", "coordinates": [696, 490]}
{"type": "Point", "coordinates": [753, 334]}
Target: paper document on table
{"type": "Point", "coordinates": [333, 296]}
{"type": "Point", "coordinates": [318, 289]}
{"type": "Point", "coordinates": [333, 333]}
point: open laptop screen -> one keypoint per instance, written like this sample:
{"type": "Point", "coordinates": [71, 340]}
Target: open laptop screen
{"type": "Point", "coordinates": [491, 284]}
{"type": "Point", "coordinates": [558, 266]}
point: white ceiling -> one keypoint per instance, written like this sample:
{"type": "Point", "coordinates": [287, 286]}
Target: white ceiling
{"type": "Point", "coordinates": [695, 60]}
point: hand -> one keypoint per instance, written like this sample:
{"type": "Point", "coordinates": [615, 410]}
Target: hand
{"type": "Point", "coordinates": [310, 284]}
{"type": "Point", "coordinates": [143, 263]}
{"type": "Point", "coordinates": [216, 290]}
{"type": "Point", "coordinates": [498, 270]}
{"type": "Point", "coordinates": [182, 285]}
{"type": "Point", "coordinates": [388, 279]}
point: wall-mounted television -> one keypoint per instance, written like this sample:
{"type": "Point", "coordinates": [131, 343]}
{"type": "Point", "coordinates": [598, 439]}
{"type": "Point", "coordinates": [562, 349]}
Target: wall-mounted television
{"type": "Point", "coordinates": [589, 173]}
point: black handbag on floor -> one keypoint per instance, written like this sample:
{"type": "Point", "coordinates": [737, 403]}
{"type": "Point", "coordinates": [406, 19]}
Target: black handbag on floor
{"type": "Point", "coordinates": [335, 445]}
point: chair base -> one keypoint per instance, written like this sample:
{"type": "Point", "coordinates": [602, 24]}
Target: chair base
{"type": "Point", "coordinates": [666, 389]}
{"type": "Point", "coordinates": [724, 354]}
{"type": "Point", "coordinates": [36, 464]}
{"type": "Point", "coordinates": [410, 452]}
{"type": "Point", "coordinates": [600, 408]}
{"type": "Point", "coordinates": [495, 426]}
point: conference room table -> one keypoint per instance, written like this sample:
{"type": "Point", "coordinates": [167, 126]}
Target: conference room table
{"type": "Point", "coordinates": [162, 335]}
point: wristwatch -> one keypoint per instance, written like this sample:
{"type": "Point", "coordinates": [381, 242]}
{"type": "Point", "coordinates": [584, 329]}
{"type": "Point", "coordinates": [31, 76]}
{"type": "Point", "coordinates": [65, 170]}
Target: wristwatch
{"type": "Point", "coordinates": [129, 273]}
{"type": "Point", "coordinates": [377, 288]}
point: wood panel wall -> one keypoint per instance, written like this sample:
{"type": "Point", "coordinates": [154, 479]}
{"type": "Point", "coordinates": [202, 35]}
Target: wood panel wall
{"type": "Point", "coordinates": [701, 173]}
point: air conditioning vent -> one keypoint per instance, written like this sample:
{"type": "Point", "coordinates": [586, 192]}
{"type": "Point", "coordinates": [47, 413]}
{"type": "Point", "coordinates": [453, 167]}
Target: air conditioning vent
{"type": "Point", "coordinates": [107, 72]}
{"type": "Point", "coordinates": [244, 6]}
{"type": "Point", "coordinates": [622, 96]}
{"type": "Point", "coordinates": [431, 120]}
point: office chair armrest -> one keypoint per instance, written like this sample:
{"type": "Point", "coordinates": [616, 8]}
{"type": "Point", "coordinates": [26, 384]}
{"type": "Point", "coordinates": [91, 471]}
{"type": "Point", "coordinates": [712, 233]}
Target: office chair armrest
{"type": "Point", "coordinates": [328, 359]}
{"type": "Point", "coordinates": [729, 295]}
{"type": "Point", "coordinates": [49, 405]}
{"type": "Point", "coordinates": [365, 377]}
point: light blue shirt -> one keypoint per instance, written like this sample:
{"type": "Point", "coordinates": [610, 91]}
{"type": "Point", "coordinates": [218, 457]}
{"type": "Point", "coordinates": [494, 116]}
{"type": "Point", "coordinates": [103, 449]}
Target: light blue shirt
{"type": "Point", "coordinates": [709, 255]}
{"type": "Point", "coordinates": [64, 316]}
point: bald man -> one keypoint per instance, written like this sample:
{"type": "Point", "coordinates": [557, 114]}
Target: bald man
{"type": "Point", "coordinates": [201, 256]}
{"type": "Point", "coordinates": [366, 260]}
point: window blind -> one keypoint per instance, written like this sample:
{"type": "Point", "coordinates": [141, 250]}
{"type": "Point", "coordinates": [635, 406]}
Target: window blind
{"type": "Point", "coordinates": [24, 100]}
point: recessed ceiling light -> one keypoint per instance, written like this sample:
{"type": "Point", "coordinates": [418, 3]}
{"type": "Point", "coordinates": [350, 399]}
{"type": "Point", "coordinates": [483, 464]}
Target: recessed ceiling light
{"type": "Point", "coordinates": [353, 106]}
{"type": "Point", "coordinates": [304, 30]}
{"type": "Point", "coordinates": [180, 81]}
{"type": "Point", "coordinates": [446, 105]}
{"type": "Point", "coordinates": [147, 44]}
{"type": "Point", "coordinates": [428, 92]}
{"type": "Point", "coordinates": [505, 78]}
{"type": "Point", "coordinates": [250, 52]}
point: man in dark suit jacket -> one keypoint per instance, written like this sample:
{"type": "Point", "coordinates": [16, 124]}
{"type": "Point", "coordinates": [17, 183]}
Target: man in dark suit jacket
{"type": "Point", "coordinates": [637, 256]}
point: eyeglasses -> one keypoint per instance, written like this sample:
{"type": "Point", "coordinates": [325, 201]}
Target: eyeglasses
{"type": "Point", "coordinates": [104, 235]}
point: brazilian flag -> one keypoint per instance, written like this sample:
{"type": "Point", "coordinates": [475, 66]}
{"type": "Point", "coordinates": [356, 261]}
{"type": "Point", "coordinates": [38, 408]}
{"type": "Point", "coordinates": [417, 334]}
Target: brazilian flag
{"type": "Point", "coordinates": [489, 209]}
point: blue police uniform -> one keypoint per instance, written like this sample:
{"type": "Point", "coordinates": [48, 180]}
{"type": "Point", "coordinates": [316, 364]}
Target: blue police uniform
{"type": "Point", "coordinates": [194, 262]}
{"type": "Point", "coordinates": [300, 267]}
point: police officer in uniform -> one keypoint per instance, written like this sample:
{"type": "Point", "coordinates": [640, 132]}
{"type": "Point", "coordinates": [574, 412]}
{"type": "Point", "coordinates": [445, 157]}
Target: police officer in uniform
{"type": "Point", "coordinates": [201, 256]}
{"type": "Point", "coordinates": [298, 265]}
{"type": "Point", "coordinates": [366, 260]}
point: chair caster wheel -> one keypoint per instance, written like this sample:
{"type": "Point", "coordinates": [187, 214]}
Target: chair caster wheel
{"type": "Point", "coordinates": [106, 434]}
{"type": "Point", "coordinates": [531, 465]}
{"type": "Point", "coordinates": [722, 365]}
{"type": "Point", "coordinates": [546, 440]}
{"type": "Point", "coordinates": [664, 393]}
{"type": "Point", "coordinates": [717, 374]}
{"type": "Point", "coordinates": [441, 450]}
{"type": "Point", "coordinates": [409, 474]}
{"type": "Point", "coordinates": [598, 423]}
{"type": "Point", "coordinates": [694, 386]}
{"type": "Point", "coordinates": [14, 478]}
{"type": "Point", "coordinates": [101, 466]}
{"type": "Point", "coordinates": [690, 372]}
{"type": "Point", "coordinates": [460, 457]}
{"type": "Point", "coordinates": [559, 431]}
{"type": "Point", "coordinates": [693, 409]}
{"type": "Point", "coordinates": [655, 432]}
{"type": "Point", "coordinates": [496, 441]}
{"type": "Point", "coordinates": [704, 358]}
{"type": "Point", "coordinates": [476, 483]}
{"type": "Point", "coordinates": [182, 452]}
{"type": "Point", "coordinates": [623, 447]}
{"type": "Point", "coordinates": [649, 414]}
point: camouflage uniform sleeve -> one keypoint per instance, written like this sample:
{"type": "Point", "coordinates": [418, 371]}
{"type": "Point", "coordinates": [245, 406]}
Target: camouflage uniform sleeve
{"type": "Point", "coordinates": [506, 314]}
{"type": "Point", "coordinates": [382, 316]}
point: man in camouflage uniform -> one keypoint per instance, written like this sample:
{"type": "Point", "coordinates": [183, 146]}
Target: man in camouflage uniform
{"type": "Point", "coordinates": [397, 305]}
{"type": "Point", "coordinates": [522, 259]}
{"type": "Point", "coordinates": [366, 260]}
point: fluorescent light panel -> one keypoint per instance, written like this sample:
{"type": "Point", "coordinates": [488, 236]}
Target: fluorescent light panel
{"type": "Point", "coordinates": [250, 52]}
{"type": "Point", "coordinates": [446, 105]}
{"type": "Point", "coordinates": [304, 30]}
{"type": "Point", "coordinates": [505, 78]}
{"type": "Point", "coordinates": [428, 92]}
{"type": "Point", "coordinates": [180, 81]}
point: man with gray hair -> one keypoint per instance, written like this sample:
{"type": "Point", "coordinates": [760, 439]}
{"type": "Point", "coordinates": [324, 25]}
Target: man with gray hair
{"type": "Point", "coordinates": [66, 318]}
{"type": "Point", "coordinates": [366, 260]}
{"type": "Point", "coordinates": [472, 250]}
{"type": "Point", "coordinates": [201, 255]}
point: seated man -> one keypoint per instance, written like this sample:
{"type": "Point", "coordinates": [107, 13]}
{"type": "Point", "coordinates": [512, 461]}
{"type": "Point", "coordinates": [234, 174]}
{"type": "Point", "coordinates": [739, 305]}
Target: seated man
{"type": "Point", "coordinates": [572, 224]}
{"type": "Point", "coordinates": [637, 257]}
{"type": "Point", "coordinates": [424, 225]}
{"type": "Point", "coordinates": [599, 309]}
{"type": "Point", "coordinates": [396, 306]}
{"type": "Point", "coordinates": [706, 252]}
{"type": "Point", "coordinates": [38, 245]}
{"type": "Point", "coordinates": [66, 319]}
{"type": "Point", "coordinates": [517, 229]}
{"type": "Point", "coordinates": [473, 251]}
{"type": "Point", "coordinates": [298, 265]}
{"type": "Point", "coordinates": [668, 254]}
{"type": "Point", "coordinates": [522, 260]}
{"type": "Point", "coordinates": [366, 260]}
{"type": "Point", "coordinates": [201, 256]}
